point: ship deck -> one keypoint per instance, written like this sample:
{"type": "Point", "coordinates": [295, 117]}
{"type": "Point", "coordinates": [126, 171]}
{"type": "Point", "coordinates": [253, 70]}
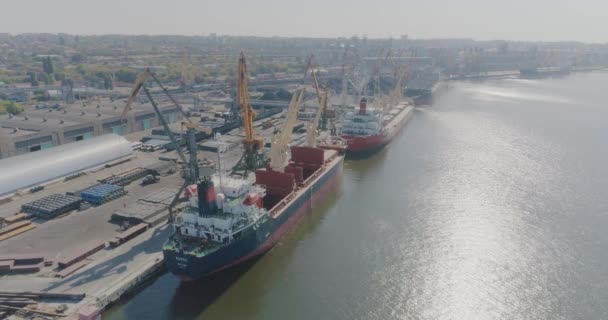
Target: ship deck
{"type": "Point", "coordinates": [332, 158]}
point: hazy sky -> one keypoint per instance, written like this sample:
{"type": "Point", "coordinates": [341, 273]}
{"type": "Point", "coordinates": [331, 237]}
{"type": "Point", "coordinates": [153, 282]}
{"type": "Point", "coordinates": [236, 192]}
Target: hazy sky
{"type": "Point", "coordinates": [582, 20]}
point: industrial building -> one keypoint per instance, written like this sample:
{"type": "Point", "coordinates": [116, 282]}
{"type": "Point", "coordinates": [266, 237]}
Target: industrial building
{"type": "Point", "coordinates": [38, 129]}
{"type": "Point", "coordinates": [33, 169]}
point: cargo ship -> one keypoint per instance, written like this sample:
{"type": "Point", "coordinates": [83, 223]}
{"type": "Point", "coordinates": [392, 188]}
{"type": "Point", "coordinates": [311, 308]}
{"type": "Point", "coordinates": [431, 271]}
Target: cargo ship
{"type": "Point", "coordinates": [544, 72]}
{"type": "Point", "coordinates": [231, 220]}
{"type": "Point", "coordinates": [368, 130]}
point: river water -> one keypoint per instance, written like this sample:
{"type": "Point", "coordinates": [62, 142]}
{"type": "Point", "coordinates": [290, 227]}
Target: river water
{"type": "Point", "coordinates": [491, 204]}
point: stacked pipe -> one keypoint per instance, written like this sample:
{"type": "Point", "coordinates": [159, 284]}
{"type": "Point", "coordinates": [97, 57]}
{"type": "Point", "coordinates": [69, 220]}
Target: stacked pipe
{"type": "Point", "coordinates": [102, 193]}
{"type": "Point", "coordinates": [126, 178]}
{"type": "Point", "coordinates": [52, 205]}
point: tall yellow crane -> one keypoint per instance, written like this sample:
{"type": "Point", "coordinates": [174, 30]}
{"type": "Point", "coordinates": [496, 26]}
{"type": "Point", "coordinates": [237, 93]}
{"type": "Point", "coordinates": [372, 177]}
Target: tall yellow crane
{"type": "Point", "coordinates": [252, 157]}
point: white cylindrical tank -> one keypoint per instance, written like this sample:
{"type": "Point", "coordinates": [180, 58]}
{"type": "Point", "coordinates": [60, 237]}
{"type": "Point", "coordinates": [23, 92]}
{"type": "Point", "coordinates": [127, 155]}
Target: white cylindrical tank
{"type": "Point", "coordinates": [219, 200]}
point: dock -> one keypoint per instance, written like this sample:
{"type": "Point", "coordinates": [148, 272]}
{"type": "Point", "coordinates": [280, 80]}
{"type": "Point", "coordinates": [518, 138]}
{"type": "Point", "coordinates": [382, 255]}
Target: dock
{"type": "Point", "coordinates": [102, 246]}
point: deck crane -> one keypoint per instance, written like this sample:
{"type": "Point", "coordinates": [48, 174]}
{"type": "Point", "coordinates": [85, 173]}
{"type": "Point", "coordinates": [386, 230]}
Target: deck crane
{"type": "Point", "coordinates": [311, 129]}
{"type": "Point", "coordinates": [190, 166]}
{"type": "Point", "coordinates": [252, 158]}
{"type": "Point", "coordinates": [280, 141]}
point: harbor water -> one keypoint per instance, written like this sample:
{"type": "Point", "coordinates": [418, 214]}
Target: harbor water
{"type": "Point", "coordinates": [491, 204]}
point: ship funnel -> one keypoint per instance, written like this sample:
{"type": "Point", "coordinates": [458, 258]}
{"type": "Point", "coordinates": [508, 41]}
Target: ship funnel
{"type": "Point", "coordinates": [206, 197]}
{"type": "Point", "coordinates": [363, 106]}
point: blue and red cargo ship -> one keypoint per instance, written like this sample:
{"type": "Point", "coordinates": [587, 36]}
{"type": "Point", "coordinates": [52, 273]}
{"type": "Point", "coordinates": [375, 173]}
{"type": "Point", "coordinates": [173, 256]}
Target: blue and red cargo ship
{"type": "Point", "coordinates": [229, 221]}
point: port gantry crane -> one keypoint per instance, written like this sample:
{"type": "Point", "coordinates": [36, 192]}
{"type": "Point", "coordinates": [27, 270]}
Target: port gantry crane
{"type": "Point", "coordinates": [253, 157]}
{"type": "Point", "coordinates": [357, 75]}
{"type": "Point", "coordinates": [190, 166]}
{"type": "Point", "coordinates": [378, 71]}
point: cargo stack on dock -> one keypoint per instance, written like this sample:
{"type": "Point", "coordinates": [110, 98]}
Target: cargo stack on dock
{"type": "Point", "coordinates": [102, 193]}
{"type": "Point", "coordinates": [52, 205]}
{"type": "Point", "coordinates": [125, 178]}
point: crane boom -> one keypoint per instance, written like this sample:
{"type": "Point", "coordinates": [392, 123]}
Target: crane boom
{"type": "Point", "coordinates": [311, 130]}
{"type": "Point", "coordinates": [280, 141]}
{"type": "Point", "coordinates": [247, 112]}
{"type": "Point", "coordinates": [139, 82]}
{"type": "Point", "coordinates": [191, 171]}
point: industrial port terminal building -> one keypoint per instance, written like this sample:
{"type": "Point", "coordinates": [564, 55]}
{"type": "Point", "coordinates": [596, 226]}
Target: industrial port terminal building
{"type": "Point", "coordinates": [43, 128]}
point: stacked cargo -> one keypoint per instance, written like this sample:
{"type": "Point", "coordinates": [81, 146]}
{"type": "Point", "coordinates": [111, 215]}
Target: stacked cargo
{"type": "Point", "coordinates": [125, 178]}
{"type": "Point", "coordinates": [52, 206]}
{"type": "Point", "coordinates": [74, 176]}
{"type": "Point", "coordinates": [21, 263]}
{"type": "Point", "coordinates": [81, 253]}
{"type": "Point", "coordinates": [15, 218]}
{"type": "Point", "coordinates": [129, 234]}
{"type": "Point", "coordinates": [102, 193]}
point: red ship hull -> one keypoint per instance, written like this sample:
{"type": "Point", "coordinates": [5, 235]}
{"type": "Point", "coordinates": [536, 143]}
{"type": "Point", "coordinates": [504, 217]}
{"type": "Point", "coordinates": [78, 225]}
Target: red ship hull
{"type": "Point", "coordinates": [364, 145]}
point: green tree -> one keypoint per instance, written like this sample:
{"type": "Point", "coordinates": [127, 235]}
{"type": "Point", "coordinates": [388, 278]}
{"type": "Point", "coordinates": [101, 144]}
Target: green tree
{"type": "Point", "coordinates": [283, 94]}
{"type": "Point", "coordinates": [33, 79]}
{"type": "Point", "coordinates": [125, 75]}
{"type": "Point", "coordinates": [77, 58]}
{"type": "Point", "coordinates": [46, 78]}
{"type": "Point", "coordinates": [268, 95]}
{"type": "Point", "coordinates": [67, 82]}
{"type": "Point", "coordinates": [108, 84]}
{"type": "Point", "coordinates": [10, 107]}
{"type": "Point", "coordinates": [47, 65]}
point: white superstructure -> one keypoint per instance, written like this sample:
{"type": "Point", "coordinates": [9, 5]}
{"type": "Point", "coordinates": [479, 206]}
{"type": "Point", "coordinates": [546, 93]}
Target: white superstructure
{"type": "Point", "coordinates": [237, 202]}
{"type": "Point", "coordinates": [363, 122]}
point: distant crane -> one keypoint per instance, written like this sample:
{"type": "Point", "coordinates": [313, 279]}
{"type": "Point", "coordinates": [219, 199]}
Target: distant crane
{"type": "Point", "coordinates": [378, 71]}
{"type": "Point", "coordinates": [357, 75]}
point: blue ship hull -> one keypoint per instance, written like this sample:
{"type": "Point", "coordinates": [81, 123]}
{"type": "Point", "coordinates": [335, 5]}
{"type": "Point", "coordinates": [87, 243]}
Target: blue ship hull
{"type": "Point", "coordinates": [188, 266]}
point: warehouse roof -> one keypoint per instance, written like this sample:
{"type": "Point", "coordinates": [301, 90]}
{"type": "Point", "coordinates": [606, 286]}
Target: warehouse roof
{"type": "Point", "coordinates": [35, 168]}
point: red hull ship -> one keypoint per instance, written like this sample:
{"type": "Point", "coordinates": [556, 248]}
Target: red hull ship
{"type": "Point", "coordinates": [366, 131]}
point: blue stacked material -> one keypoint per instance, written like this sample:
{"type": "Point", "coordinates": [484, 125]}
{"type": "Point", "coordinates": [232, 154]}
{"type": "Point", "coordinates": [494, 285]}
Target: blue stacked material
{"type": "Point", "coordinates": [52, 205]}
{"type": "Point", "coordinates": [102, 193]}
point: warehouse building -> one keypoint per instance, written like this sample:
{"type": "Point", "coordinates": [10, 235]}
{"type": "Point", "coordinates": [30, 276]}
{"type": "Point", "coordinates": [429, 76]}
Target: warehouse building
{"type": "Point", "coordinates": [40, 129]}
{"type": "Point", "coordinates": [33, 169]}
